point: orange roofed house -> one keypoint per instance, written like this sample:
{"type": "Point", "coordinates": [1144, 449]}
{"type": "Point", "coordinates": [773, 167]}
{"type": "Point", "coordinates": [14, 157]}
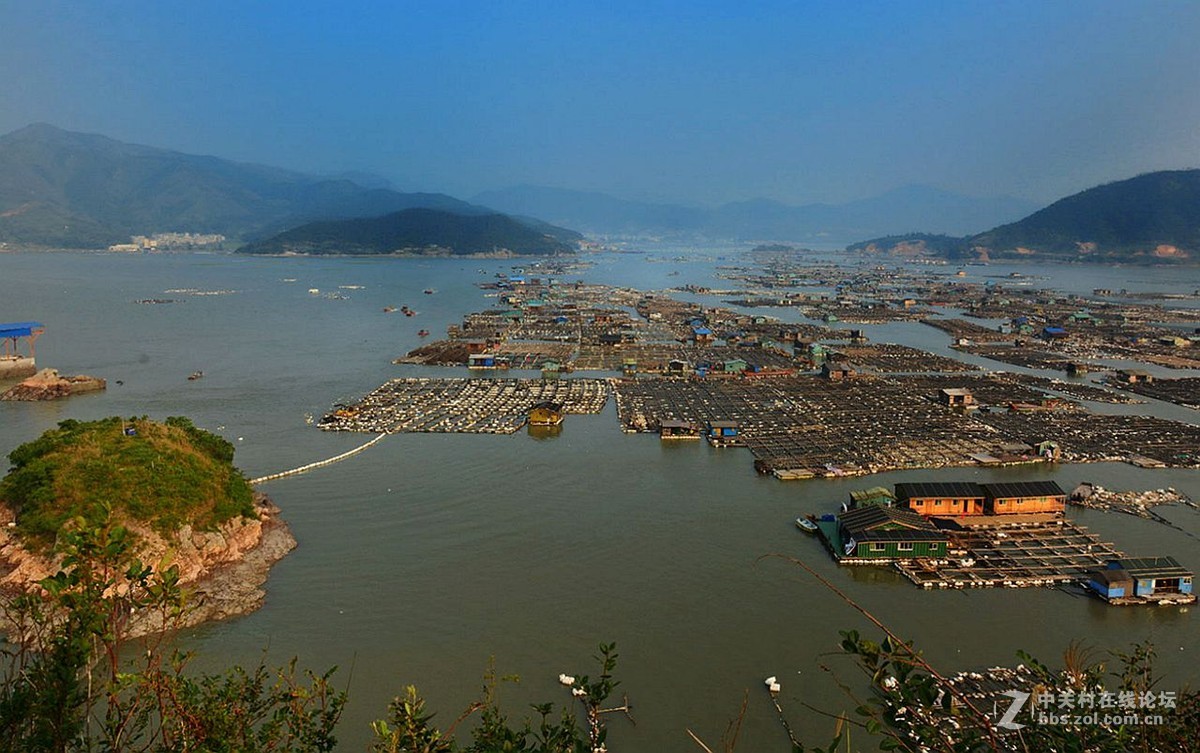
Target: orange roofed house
{"type": "Point", "coordinates": [941, 499]}
{"type": "Point", "coordinates": [1023, 497]}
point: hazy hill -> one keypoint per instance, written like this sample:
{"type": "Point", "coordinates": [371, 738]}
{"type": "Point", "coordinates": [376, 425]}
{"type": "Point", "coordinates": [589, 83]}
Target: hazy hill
{"type": "Point", "coordinates": [899, 210]}
{"type": "Point", "coordinates": [414, 231]}
{"type": "Point", "coordinates": [592, 212]}
{"type": "Point", "coordinates": [75, 190]}
{"type": "Point", "coordinates": [1151, 218]}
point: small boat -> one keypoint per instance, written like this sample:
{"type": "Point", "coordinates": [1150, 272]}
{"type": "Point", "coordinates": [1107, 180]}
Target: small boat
{"type": "Point", "coordinates": [195, 375]}
{"type": "Point", "coordinates": [423, 333]}
{"type": "Point", "coordinates": [429, 291]}
{"type": "Point", "coordinates": [388, 309]}
{"type": "Point", "coordinates": [806, 525]}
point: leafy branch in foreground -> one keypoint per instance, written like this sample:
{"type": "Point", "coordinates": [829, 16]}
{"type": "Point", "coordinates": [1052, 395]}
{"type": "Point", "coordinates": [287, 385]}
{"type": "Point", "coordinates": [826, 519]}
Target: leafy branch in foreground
{"type": "Point", "coordinates": [912, 707]}
{"type": "Point", "coordinates": [410, 728]}
{"type": "Point", "coordinates": [74, 681]}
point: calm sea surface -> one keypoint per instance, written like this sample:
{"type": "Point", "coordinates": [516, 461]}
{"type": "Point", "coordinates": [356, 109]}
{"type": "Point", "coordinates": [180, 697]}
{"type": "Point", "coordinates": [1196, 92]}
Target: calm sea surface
{"type": "Point", "coordinates": [426, 555]}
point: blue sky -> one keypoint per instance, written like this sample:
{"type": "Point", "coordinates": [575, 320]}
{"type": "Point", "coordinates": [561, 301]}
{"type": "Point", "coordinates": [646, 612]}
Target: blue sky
{"type": "Point", "coordinates": [684, 101]}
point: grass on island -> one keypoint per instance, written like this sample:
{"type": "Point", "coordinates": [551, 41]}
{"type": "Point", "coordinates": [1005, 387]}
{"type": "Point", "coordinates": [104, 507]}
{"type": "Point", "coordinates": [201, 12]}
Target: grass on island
{"type": "Point", "coordinates": [163, 475]}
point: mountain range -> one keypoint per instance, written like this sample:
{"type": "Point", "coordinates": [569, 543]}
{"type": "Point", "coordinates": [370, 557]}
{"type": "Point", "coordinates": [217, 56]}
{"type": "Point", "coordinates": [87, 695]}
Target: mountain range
{"type": "Point", "coordinates": [61, 189]}
{"type": "Point", "coordinates": [75, 190]}
{"type": "Point", "coordinates": [1150, 218]}
{"type": "Point", "coordinates": [900, 210]}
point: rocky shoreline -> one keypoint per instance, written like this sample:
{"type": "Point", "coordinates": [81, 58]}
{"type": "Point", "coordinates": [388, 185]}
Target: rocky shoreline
{"type": "Point", "coordinates": [48, 384]}
{"type": "Point", "coordinates": [222, 571]}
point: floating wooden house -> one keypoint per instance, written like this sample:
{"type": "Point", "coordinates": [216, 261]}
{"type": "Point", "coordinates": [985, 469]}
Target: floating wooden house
{"type": "Point", "coordinates": [876, 495]}
{"type": "Point", "coordinates": [883, 534]}
{"type": "Point", "coordinates": [837, 371]}
{"type": "Point", "coordinates": [546, 414]}
{"type": "Point", "coordinates": [1111, 585]}
{"type": "Point", "coordinates": [956, 397]}
{"type": "Point", "coordinates": [735, 366]}
{"type": "Point", "coordinates": [941, 499]}
{"type": "Point", "coordinates": [674, 429]}
{"type": "Point", "coordinates": [721, 433]}
{"type": "Point", "coordinates": [1142, 580]}
{"type": "Point", "coordinates": [1023, 497]}
{"type": "Point", "coordinates": [1134, 376]}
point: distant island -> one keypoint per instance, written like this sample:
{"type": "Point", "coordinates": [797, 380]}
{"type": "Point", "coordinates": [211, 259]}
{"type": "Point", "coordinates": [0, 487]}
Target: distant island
{"type": "Point", "coordinates": [171, 484]}
{"type": "Point", "coordinates": [417, 231]}
{"type": "Point", "coordinates": [1150, 219]}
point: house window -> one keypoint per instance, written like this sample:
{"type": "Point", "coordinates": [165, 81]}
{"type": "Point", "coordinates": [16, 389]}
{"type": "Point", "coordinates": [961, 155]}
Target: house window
{"type": "Point", "coordinates": [878, 547]}
{"type": "Point", "coordinates": [904, 546]}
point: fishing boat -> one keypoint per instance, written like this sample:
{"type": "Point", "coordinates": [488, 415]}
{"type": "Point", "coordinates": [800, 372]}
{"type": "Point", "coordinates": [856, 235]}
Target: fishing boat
{"type": "Point", "coordinates": [806, 525]}
{"type": "Point", "coordinates": [195, 375]}
{"type": "Point", "coordinates": [423, 333]}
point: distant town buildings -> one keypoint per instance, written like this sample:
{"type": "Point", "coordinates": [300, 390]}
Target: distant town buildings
{"type": "Point", "coordinates": [170, 242]}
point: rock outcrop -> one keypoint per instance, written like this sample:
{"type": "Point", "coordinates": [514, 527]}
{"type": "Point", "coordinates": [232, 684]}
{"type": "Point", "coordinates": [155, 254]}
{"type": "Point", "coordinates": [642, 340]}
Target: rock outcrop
{"type": "Point", "coordinates": [47, 384]}
{"type": "Point", "coordinates": [222, 571]}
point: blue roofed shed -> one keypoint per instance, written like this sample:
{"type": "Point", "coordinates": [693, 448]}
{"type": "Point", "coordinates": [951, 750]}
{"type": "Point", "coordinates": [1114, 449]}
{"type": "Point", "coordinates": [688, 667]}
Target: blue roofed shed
{"type": "Point", "coordinates": [11, 332]}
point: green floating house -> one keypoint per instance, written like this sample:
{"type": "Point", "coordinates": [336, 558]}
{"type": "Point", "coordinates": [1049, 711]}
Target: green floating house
{"type": "Point", "coordinates": [884, 534]}
{"type": "Point", "coordinates": [876, 495]}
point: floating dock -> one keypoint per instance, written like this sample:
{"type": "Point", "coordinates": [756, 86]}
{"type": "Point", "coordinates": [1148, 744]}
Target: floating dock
{"type": "Point", "coordinates": [1013, 554]}
{"type": "Point", "coordinates": [470, 406]}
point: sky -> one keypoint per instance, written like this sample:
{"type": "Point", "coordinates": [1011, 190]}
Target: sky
{"type": "Point", "coordinates": [691, 102]}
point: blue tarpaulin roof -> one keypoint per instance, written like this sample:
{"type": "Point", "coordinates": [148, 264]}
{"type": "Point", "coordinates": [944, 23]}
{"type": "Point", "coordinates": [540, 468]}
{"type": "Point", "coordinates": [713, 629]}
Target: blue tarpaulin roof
{"type": "Point", "coordinates": [18, 329]}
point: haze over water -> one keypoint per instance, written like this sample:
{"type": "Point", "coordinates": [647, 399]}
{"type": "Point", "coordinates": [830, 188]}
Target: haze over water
{"type": "Point", "coordinates": [429, 553]}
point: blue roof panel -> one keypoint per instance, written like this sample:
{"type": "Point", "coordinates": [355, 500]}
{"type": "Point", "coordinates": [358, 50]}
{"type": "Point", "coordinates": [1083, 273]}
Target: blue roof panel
{"type": "Point", "coordinates": [19, 329]}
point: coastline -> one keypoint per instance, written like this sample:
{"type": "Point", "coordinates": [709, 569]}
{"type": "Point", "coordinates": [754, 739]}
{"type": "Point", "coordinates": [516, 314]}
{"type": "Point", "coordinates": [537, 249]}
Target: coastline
{"type": "Point", "coordinates": [222, 572]}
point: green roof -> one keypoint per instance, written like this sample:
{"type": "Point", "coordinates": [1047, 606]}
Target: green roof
{"type": "Point", "coordinates": [875, 493]}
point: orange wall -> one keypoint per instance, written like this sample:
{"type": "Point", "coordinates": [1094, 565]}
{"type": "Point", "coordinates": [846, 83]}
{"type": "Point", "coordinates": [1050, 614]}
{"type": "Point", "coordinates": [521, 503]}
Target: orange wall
{"type": "Point", "coordinates": [954, 506]}
{"type": "Point", "coordinates": [1011, 505]}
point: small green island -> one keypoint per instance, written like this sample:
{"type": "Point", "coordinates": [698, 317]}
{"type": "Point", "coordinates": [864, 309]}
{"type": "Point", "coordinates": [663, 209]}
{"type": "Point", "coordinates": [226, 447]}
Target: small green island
{"type": "Point", "coordinates": [171, 485]}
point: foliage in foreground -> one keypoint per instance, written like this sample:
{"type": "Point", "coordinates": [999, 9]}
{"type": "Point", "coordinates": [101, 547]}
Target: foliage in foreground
{"type": "Point", "coordinates": [78, 684]}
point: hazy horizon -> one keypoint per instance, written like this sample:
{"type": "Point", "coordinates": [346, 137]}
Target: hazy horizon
{"type": "Point", "coordinates": [696, 103]}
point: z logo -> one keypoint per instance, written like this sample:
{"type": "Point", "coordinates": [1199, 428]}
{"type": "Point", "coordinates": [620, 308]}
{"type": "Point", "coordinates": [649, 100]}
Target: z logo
{"type": "Point", "coordinates": [1014, 708]}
